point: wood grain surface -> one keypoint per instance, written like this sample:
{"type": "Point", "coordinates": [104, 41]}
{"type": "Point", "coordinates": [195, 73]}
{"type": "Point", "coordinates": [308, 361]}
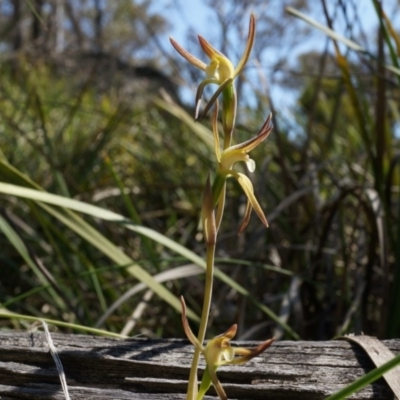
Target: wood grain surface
{"type": "Point", "coordinates": [143, 369]}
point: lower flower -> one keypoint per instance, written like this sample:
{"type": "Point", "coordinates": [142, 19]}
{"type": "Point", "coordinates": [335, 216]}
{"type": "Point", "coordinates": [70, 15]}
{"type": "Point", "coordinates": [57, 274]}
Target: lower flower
{"type": "Point", "coordinates": [217, 352]}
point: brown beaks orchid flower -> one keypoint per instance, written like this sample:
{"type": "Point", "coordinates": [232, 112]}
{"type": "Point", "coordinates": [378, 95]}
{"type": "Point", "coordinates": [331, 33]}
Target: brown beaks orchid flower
{"type": "Point", "coordinates": [226, 161]}
{"type": "Point", "coordinates": [219, 71]}
{"type": "Point", "coordinates": [218, 352]}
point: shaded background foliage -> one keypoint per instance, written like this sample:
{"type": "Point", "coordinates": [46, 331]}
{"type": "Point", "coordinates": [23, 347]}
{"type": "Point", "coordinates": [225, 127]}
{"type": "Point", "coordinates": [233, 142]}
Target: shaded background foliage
{"type": "Point", "coordinates": [93, 107]}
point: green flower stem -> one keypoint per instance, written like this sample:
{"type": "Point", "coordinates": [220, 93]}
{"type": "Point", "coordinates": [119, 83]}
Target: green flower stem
{"type": "Point", "coordinates": [220, 207]}
{"type": "Point", "coordinates": [192, 387]}
{"type": "Point", "coordinates": [229, 106]}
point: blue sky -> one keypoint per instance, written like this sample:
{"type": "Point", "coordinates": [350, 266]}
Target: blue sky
{"type": "Point", "coordinates": [195, 15]}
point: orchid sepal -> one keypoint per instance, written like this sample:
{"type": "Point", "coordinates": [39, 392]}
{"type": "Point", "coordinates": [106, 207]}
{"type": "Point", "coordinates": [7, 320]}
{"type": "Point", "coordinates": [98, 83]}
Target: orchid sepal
{"type": "Point", "coordinates": [252, 143]}
{"type": "Point", "coordinates": [249, 45]}
{"type": "Point", "coordinates": [188, 56]}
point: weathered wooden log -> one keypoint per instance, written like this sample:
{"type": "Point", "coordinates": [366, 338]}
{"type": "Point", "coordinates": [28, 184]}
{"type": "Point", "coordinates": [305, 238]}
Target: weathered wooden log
{"type": "Point", "coordinates": [101, 368]}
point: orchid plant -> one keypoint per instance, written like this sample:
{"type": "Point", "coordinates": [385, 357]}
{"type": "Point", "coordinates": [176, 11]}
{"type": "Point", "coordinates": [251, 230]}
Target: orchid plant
{"type": "Point", "coordinates": [220, 71]}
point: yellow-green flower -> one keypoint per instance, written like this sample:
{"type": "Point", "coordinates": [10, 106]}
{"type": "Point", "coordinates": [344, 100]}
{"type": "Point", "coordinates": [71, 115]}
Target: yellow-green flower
{"type": "Point", "coordinates": [219, 71]}
{"type": "Point", "coordinates": [227, 159]}
{"type": "Point", "coordinates": [217, 352]}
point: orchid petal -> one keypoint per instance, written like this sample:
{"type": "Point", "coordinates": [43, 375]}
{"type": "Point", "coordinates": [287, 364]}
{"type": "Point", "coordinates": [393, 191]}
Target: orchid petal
{"type": "Point", "coordinates": [248, 354]}
{"type": "Point", "coordinates": [199, 93]}
{"type": "Point", "coordinates": [252, 143]}
{"type": "Point", "coordinates": [214, 97]}
{"type": "Point", "coordinates": [229, 333]}
{"type": "Point", "coordinates": [247, 187]}
{"type": "Point", "coordinates": [211, 51]}
{"type": "Point", "coordinates": [246, 217]}
{"type": "Point", "coordinates": [249, 45]}
{"type": "Point", "coordinates": [189, 57]}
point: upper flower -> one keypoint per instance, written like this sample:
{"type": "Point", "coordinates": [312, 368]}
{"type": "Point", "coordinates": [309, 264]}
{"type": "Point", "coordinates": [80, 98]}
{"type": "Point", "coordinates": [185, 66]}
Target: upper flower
{"type": "Point", "coordinates": [219, 351]}
{"type": "Point", "coordinates": [220, 69]}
